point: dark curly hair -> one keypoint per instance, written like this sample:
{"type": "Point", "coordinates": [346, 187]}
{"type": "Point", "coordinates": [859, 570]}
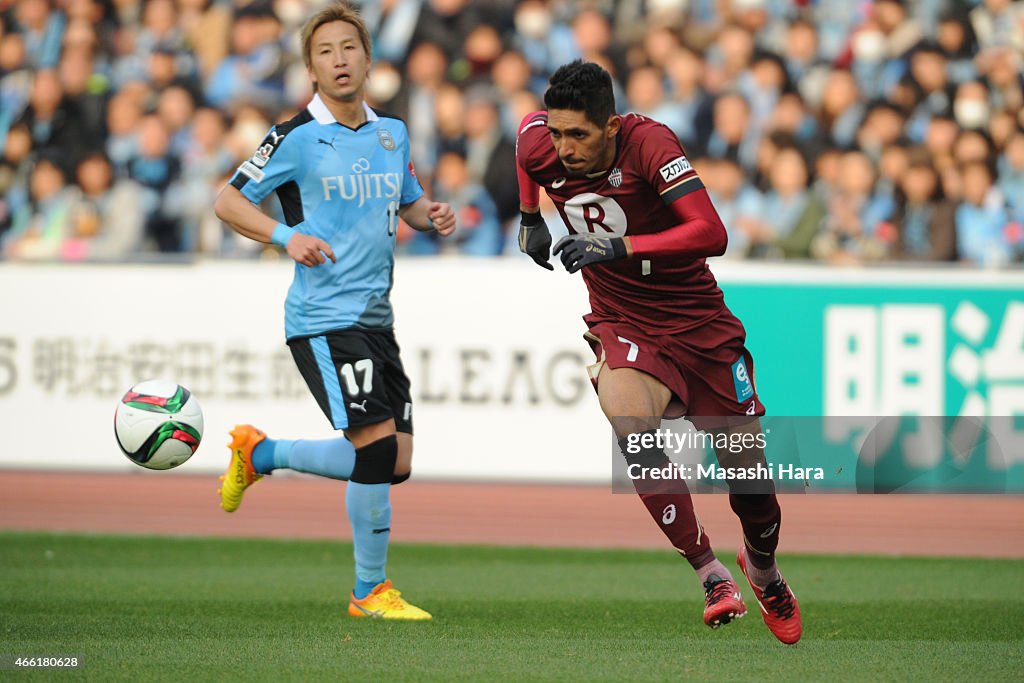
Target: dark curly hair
{"type": "Point", "coordinates": [582, 86]}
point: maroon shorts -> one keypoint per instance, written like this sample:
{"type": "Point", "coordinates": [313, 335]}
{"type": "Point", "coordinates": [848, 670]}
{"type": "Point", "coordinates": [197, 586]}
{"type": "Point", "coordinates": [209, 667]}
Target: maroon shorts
{"type": "Point", "coordinates": [708, 369]}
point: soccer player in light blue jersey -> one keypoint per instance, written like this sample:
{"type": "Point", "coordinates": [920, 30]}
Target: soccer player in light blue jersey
{"type": "Point", "coordinates": [342, 173]}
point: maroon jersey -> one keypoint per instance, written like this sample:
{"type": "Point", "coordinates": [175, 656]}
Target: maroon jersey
{"type": "Point", "coordinates": [662, 293]}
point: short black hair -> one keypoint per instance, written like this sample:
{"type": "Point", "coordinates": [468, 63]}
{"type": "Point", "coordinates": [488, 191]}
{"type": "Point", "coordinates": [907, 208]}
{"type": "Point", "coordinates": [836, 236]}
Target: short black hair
{"type": "Point", "coordinates": [582, 86]}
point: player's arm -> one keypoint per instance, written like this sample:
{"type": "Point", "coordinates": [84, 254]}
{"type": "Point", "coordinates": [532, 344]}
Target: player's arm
{"type": "Point", "coordinates": [426, 215]}
{"type": "Point", "coordinates": [246, 219]}
{"type": "Point", "coordinates": [699, 234]}
{"type": "Point", "coordinates": [534, 236]}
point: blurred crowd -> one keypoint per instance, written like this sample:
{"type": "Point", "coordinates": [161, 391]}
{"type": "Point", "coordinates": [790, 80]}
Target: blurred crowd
{"type": "Point", "coordinates": [839, 131]}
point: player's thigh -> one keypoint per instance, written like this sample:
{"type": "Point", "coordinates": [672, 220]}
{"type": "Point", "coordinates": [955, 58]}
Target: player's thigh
{"type": "Point", "coordinates": [404, 463]}
{"type": "Point", "coordinates": [632, 400]}
{"type": "Point", "coordinates": [635, 380]}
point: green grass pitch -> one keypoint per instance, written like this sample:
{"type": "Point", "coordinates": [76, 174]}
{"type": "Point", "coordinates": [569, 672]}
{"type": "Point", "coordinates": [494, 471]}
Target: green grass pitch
{"type": "Point", "coordinates": [185, 609]}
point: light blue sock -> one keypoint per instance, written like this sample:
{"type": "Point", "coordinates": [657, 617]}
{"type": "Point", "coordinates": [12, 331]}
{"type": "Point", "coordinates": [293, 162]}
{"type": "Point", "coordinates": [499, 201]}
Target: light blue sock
{"type": "Point", "coordinates": [369, 510]}
{"type": "Point", "coordinates": [331, 458]}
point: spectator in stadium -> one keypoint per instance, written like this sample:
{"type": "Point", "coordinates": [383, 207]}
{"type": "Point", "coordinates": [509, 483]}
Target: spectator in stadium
{"type": "Point", "coordinates": [923, 225]}
{"type": "Point", "coordinates": [42, 29]}
{"type": "Point", "coordinates": [204, 163]}
{"type": "Point", "coordinates": [974, 145]}
{"type": "Point", "coordinates": [799, 52]}
{"type": "Point", "coordinates": [38, 227]}
{"type": "Point", "coordinates": [85, 94]}
{"type": "Point", "coordinates": [254, 71]}
{"type": "Point", "coordinates": [1011, 174]}
{"type": "Point", "coordinates": [784, 220]}
{"type": "Point", "coordinates": [971, 107]}
{"type": "Point", "coordinates": [853, 213]}
{"type": "Point", "coordinates": [955, 38]}
{"type": "Point", "coordinates": [544, 40]}
{"type": "Point", "coordinates": [645, 94]}
{"type": "Point", "coordinates": [489, 153]}
{"type": "Point", "coordinates": [480, 232]}
{"type": "Point", "coordinates": [481, 49]}
{"type": "Point", "coordinates": [425, 74]}
{"type": "Point", "coordinates": [446, 23]}
{"type": "Point", "coordinates": [51, 119]}
{"type": "Point", "coordinates": [510, 76]}
{"type": "Point", "coordinates": [1001, 68]}
{"type": "Point", "coordinates": [731, 195]}
{"type": "Point", "coordinates": [982, 219]}
{"type": "Point", "coordinates": [15, 79]}
{"type": "Point", "coordinates": [685, 69]}
{"type": "Point", "coordinates": [123, 116]}
{"type": "Point", "coordinates": [106, 219]}
{"type": "Point", "coordinates": [176, 109]}
{"type": "Point", "coordinates": [999, 23]}
{"type": "Point", "coordinates": [157, 171]}
{"type": "Point", "coordinates": [882, 127]}
{"type": "Point", "coordinates": [15, 169]}
{"type": "Point", "coordinates": [728, 57]}
{"type": "Point", "coordinates": [732, 136]}
{"type": "Point", "coordinates": [933, 92]}
{"type": "Point", "coordinates": [450, 115]}
{"type": "Point", "coordinates": [841, 108]}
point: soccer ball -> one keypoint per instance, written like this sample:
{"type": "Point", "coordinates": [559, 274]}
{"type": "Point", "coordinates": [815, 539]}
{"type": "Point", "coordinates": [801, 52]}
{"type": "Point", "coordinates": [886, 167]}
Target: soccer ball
{"type": "Point", "coordinates": [158, 424]}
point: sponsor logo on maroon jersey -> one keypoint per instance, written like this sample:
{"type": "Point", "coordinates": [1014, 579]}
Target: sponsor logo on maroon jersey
{"type": "Point", "coordinates": [675, 169]}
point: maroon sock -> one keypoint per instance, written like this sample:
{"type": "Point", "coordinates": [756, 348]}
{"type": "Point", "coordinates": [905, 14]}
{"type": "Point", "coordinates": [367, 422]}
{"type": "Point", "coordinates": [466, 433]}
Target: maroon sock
{"type": "Point", "coordinates": [761, 517]}
{"type": "Point", "coordinates": [671, 507]}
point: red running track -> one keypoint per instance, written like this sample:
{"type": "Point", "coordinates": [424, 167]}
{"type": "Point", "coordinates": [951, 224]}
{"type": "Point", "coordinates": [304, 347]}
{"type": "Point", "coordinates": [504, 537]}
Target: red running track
{"type": "Point", "coordinates": [504, 514]}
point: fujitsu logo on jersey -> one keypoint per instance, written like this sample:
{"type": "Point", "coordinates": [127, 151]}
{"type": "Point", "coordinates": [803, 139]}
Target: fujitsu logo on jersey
{"type": "Point", "coordinates": [362, 185]}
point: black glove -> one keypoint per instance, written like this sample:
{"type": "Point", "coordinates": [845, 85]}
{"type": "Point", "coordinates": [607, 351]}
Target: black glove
{"type": "Point", "coordinates": [535, 239]}
{"type": "Point", "coordinates": [583, 250]}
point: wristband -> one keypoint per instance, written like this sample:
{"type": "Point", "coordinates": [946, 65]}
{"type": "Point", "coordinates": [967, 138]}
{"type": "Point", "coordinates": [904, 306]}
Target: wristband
{"type": "Point", "coordinates": [531, 219]}
{"type": "Point", "coordinates": [282, 234]}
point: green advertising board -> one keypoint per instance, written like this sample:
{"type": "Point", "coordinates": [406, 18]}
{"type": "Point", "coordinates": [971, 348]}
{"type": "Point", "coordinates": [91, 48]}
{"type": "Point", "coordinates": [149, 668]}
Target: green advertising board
{"type": "Point", "coordinates": [844, 352]}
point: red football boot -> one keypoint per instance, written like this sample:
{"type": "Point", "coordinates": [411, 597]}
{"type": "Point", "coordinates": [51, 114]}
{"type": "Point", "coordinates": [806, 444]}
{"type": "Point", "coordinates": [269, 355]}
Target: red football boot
{"type": "Point", "coordinates": [778, 605]}
{"type": "Point", "coordinates": [722, 601]}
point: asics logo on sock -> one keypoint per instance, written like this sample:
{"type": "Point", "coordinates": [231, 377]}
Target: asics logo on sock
{"type": "Point", "coordinates": [770, 530]}
{"type": "Point", "coordinates": [668, 515]}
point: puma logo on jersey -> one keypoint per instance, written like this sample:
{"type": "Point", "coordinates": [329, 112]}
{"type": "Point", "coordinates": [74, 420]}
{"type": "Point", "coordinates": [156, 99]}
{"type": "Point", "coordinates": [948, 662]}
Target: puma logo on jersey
{"type": "Point", "coordinates": [358, 406]}
{"type": "Point", "coordinates": [326, 142]}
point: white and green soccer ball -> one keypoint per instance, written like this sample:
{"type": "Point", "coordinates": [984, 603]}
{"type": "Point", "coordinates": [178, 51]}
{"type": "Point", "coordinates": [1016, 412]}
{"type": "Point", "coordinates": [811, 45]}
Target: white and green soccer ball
{"type": "Point", "coordinates": [158, 424]}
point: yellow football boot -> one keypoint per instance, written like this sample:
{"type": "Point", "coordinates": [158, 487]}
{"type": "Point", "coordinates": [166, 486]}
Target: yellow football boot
{"type": "Point", "coordinates": [385, 602]}
{"type": "Point", "coordinates": [240, 474]}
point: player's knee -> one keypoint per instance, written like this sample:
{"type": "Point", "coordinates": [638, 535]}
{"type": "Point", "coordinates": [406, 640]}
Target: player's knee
{"type": "Point", "coordinates": [641, 449]}
{"type": "Point", "coordinates": [375, 462]}
{"type": "Point", "coordinates": [399, 478]}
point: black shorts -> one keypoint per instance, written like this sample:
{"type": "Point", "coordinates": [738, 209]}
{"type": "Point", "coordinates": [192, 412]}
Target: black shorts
{"type": "Point", "coordinates": [356, 377]}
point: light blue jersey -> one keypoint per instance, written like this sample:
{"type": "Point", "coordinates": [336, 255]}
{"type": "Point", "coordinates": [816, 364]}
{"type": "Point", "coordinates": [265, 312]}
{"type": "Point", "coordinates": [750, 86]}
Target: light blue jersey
{"type": "Point", "coordinates": [344, 186]}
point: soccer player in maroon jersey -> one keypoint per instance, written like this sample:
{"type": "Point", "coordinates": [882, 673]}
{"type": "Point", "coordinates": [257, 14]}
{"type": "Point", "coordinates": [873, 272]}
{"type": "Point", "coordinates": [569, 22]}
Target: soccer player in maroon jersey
{"type": "Point", "coordinates": [640, 227]}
